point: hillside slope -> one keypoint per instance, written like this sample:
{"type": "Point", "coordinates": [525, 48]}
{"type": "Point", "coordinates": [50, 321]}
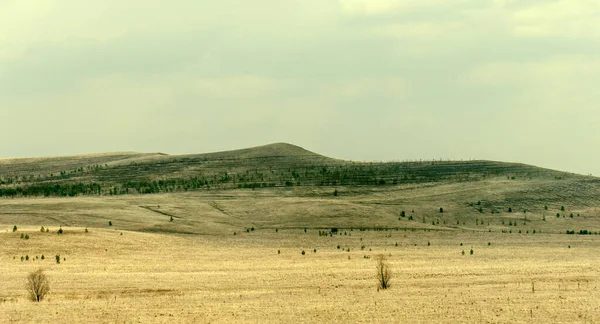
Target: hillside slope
{"type": "Point", "coordinates": [275, 165]}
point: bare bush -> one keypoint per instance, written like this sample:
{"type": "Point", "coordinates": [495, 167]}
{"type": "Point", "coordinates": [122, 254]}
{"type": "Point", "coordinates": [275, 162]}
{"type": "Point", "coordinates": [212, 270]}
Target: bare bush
{"type": "Point", "coordinates": [37, 285]}
{"type": "Point", "coordinates": [384, 274]}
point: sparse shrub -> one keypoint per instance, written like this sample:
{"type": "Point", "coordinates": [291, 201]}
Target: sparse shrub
{"type": "Point", "coordinates": [489, 243]}
{"type": "Point", "coordinates": [42, 229]}
{"type": "Point", "coordinates": [410, 217]}
{"type": "Point", "coordinates": [27, 258]}
{"type": "Point", "coordinates": [315, 251]}
{"type": "Point", "coordinates": [278, 251]}
{"type": "Point", "coordinates": [472, 251]}
{"type": "Point", "coordinates": [27, 236]}
{"type": "Point", "coordinates": [22, 258]}
{"type": "Point", "coordinates": [463, 252]}
{"type": "Point", "coordinates": [571, 215]}
{"type": "Point", "coordinates": [247, 230]}
{"type": "Point", "coordinates": [252, 228]}
{"type": "Point", "coordinates": [109, 223]}
{"type": "Point", "coordinates": [37, 285]}
{"type": "Point", "coordinates": [396, 244]}
{"type": "Point", "coordinates": [60, 231]}
{"type": "Point", "coordinates": [43, 257]}
{"type": "Point", "coordinates": [510, 209]}
{"type": "Point", "coordinates": [562, 208]}
{"type": "Point", "coordinates": [276, 230]}
{"type": "Point", "coordinates": [57, 257]}
{"type": "Point", "coordinates": [22, 235]}
{"type": "Point", "coordinates": [441, 210]}
{"type": "Point", "coordinates": [557, 214]}
{"type": "Point", "coordinates": [461, 244]}
{"type": "Point", "coordinates": [335, 193]}
{"type": "Point", "coordinates": [428, 243]}
{"type": "Point", "coordinates": [338, 247]}
{"type": "Point", "coordinates": [171, 219]}
{"type": "Point", "coordinates": [303, 253]}
{"type": "Point", "coordinates": [546, 207]}
{"type": "Point", "coordinates": [86, 230]}
{"type": "Point", "coordinates": [403, 213]}
{"type": "Point", "coordinates": [47, 230]}
{"type": "Point", "coordinates": [14, 228]}
{"type": "Point", "coordinates": [305, 230]}
{"type": "Point", "coordinates": [384, 274]}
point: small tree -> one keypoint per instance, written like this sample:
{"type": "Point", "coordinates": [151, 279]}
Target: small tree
{"type": "Point", "coordinates": [37, 285]}
{"type": "Point", "coordinates": [384, 274]}
{"type": "Point", "coordinates": [15, 228]}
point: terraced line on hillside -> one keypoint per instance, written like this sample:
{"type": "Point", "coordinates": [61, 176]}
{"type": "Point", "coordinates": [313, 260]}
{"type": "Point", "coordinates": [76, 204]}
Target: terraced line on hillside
{"type": "Point", "coordinates": [158, 211]}
{"type": "Point", "coordinates": [214, 205]}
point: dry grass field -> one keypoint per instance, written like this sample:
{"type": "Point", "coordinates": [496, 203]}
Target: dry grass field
{"type": "Point", "coordinates": [113, 276]}
{"type": "Point", "coordinates": [220, 253]}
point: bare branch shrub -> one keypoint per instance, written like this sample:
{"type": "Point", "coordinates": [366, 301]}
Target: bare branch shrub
{"type": "Point", "coordinates": [37, 285]}
{"type": "Point", "coordinates": [384, 274]}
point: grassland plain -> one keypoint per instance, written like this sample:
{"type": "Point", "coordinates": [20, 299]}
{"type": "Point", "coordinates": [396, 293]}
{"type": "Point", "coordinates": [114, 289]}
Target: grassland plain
{"type": "Point", "coordinates": [109, 277]}
{"type": "Point", "coordinates": [227, 252]}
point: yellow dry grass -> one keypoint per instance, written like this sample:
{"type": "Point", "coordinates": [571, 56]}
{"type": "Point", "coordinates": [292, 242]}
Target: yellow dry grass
{"type": "Point", "coordinates": [109, 277]}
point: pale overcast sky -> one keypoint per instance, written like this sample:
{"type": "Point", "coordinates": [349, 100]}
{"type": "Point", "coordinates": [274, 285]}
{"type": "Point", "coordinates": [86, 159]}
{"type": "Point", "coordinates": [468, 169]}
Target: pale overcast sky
{"type": "Point", "coordinates": [510, 80]}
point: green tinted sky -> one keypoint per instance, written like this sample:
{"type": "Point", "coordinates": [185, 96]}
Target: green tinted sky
{"type": "Point", "coordinates": [358, 79]}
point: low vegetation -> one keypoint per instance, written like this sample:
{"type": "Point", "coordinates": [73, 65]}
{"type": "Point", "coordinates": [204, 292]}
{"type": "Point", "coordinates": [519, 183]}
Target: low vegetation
{"type": "Point", "coordinates": [37, 285]}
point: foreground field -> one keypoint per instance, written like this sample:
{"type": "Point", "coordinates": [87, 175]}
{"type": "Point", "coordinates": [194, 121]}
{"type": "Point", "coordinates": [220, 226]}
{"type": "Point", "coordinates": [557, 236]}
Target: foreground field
{"type": "Point", "coordinates": [115, 276]}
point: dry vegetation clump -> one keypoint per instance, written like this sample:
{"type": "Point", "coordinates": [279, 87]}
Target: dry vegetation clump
{"type": "Point", "coordinates": [384, 274]}
{"type": "Point", "coordinates": [37, 285]}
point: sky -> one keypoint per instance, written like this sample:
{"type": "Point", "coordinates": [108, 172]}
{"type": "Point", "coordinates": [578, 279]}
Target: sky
{"type": "Point", "coordinates": [367, 80]}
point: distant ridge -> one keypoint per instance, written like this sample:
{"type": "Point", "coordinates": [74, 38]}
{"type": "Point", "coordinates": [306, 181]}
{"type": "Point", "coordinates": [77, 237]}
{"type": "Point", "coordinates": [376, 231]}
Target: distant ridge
{"type": "Point", "coordinates": [267, 166]}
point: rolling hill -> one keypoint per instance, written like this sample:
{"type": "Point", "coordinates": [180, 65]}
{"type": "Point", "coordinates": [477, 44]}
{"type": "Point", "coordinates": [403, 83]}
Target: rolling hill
{"type": "Point", "coordinates": [285, 186]}
{"type": "Point", "coordinates": [275, 165]}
